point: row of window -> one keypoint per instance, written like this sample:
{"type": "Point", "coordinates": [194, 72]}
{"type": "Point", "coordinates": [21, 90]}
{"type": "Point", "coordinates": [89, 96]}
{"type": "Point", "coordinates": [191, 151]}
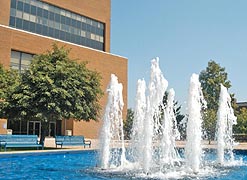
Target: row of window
{"type": "Point", "coordinates": [20, 60]}
{"type": "Point", "coordinates": [55, 33]}
{"type": "Point", "coordinates": [30, 6]}
{"type": "Point", "coordinates": [66, 24]}
{"type": "Point", "coordinates": [41, 18]}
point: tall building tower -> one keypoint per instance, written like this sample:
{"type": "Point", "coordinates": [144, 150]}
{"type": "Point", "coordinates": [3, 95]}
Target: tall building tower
{"type": "Point", "coordinates": [29, 27]}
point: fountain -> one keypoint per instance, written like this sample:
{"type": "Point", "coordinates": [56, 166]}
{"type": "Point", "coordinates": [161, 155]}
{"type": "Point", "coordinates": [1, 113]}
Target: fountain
{"type": "Point", "coordinates": [193, 150]}
{"type": "Point", "coordinates": [152, 151]}
{"type": "Point", "coordinates": [112, 129]}
{"type": "Point", "coordinates": [225, 120]}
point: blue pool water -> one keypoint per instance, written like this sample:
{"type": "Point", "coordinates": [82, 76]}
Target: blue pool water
{"type": "Point", "coordinates": [82, 165]}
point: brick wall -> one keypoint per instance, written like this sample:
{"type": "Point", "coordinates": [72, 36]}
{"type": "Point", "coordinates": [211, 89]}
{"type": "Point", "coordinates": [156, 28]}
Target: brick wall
{"type": "Point", "coordinates": [103, 62]}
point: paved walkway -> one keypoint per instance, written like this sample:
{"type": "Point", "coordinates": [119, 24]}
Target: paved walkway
{"type": "Point", "coordinates": [50, 143]}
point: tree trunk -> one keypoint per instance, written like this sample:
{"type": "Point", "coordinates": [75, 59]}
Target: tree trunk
{"type": "Point", "coordinates": [209, 141]}
{"type": "Point", "coordinates": [44, 130]}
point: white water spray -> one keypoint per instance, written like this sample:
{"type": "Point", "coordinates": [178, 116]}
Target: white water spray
{"type": "Point", "coordinates": [152, 149]}
{"type": "Point", "coordinates": [170, 133]}
{"type": "Point", "coordinates": [225, 120]}
{"type": "Point", "coordinates": [112, 128]}
{"type": "Point", "coordinates": [196, 102]}
{"type": "Point", "coordinates": [157, 87]}
{"type": "Point", "coordinates": [138, 123]}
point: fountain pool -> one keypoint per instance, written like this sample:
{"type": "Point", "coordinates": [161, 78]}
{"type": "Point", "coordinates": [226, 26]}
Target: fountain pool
{"type": "Point", "coordinates": [152, 152]}
{"type": "Point", "coordinates": [82, 165]}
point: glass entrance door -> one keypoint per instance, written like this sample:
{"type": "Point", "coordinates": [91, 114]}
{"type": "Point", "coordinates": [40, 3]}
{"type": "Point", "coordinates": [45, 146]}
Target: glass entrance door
{"type": "Point", "coordinates": [52, 129]}
{"type": "Point", "coordinates": [34, 128]}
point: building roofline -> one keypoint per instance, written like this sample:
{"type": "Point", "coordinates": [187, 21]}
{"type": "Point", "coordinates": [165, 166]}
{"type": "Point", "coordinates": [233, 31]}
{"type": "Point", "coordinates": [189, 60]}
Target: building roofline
{"type": "Point", "coordinates": [15, 29]}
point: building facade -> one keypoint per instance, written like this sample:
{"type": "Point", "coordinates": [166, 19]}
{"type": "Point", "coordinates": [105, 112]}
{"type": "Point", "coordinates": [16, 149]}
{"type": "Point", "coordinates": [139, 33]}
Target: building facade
{"type": "Point", "coordinates": [29, 27]}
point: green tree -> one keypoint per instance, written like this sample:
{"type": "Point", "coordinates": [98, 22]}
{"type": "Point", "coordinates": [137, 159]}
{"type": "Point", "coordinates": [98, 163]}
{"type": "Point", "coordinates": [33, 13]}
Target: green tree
{"type": "Point", "coordinates": [9, 80]}
{"type": "Point", "coordinates": [55, 88]}
{"type": "Point", "coordinates": [241, 127]}
{"type": "Point", "coordinates": [128, 123]}
{"type": "Point", "coordinates": [179, 116]}
{"type": "Point", "coordinates": [210, 79]}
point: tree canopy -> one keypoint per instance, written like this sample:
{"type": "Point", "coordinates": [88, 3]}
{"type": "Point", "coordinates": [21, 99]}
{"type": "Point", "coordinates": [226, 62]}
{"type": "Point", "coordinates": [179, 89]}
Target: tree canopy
{"type": "Point", "coordinates": [55, 87]}
{"type": "Point", "coordinates": [9, 79]}
{"type": "Point", "coordinates": [210, 79]}
{"type": "Point", "coordinates": [128, 123]}
{"type": "Point", "coordinates": [241, 127]}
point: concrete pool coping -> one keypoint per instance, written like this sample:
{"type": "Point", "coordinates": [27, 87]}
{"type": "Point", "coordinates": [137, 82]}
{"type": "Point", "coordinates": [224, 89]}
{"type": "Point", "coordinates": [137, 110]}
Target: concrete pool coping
{"type": "Point", "coordinates": [50, 143]}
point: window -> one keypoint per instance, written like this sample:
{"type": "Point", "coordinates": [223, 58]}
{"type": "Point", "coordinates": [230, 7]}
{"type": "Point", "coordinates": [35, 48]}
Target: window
{"type": "Point", "coordinates": [45, 19]}
{"type": "Point", "coordinates": [20, 60]}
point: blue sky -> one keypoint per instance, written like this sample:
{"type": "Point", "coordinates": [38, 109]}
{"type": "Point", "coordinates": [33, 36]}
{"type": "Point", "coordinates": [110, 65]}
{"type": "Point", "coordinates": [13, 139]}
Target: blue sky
{"type": "Point", "coordinates": [185, 35]}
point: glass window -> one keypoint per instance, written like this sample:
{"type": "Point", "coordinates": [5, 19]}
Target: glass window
{"type": "Point", "coordinates": [39, 12]}
{"type": "Point", "coordinates": [62, 12]}
{"type": "Point", "coordinates": [32, 27]}
{"type": "Point", "coordinates": [78, 18]}
{"type": "Point", "coordinates": [56, 10]}
{"type": "Point", "coordinates": [51, 23]}
{"type": "Point", "coordinates": [42, 18]}
{"type": "Point", "coordinates": [73, 23]}
{"type": "Point", "coordinates": [62, 35]}
{"type": "Point", "coordinates": [67, 36]}
{"type": "Point", "coordinates": [68, 14]}
{"type": "Point", "coordinates": [57, 25]}
{"type": "Point", "coordinates": [73, 38]}
{"type": "Point", "coordinates": [88, 35]}
{"type": "Point", "coordinates": [45, 14]}
{"type": "Point", "coordinates": [57, 17]}
{"type": "Point", "coordinates": [63, 19]}
{"type": "Point", "coordinates": [78, 24]}
{"type": "Point", "coordinates": [63, 27]}
{"type": "Point", "coordinates": [38, 28]}
{"type": "Point", "coordinates": [77, 39]}
{"type": "Point", "coordinates": [12, 12]}
{"type": "Point", "coordinates": [13, 4]}
{"type": "Point", "coordinates": [51, 16]}
{"type": "Point", "coordinates": [83, 33]}
{"type": "Point", "coordinates": [39, 20]}
{"type": "Point", "coordinates": [67, 21]}
{"type": "Point", "coordinates": [44, 21]}
{"type": "Point", "coordinates": [32, 18]}
{"type": "Point", "coordinates": [83, 19]}
{"type": "Point", "coordinates": [15, 57]}
{"type": "Point", "coordinates": [12, 21]}
{"type": "Point", "coordinates": [51, 32]}
{"type": "Point", "coordinates": [56, 34]}
{"type": "Point", "coordinates": [26, 58]}
{"type": "Point", "coordinates": [84, 26]}
{"type": "Point", "coordinates": [26, 25]}
{"type": "Point", "coordinates": [101, 39]}
{"type": "Point", "coordinates": [26, 8]}
{"type": "Point", "coordinates": [20, 5]}
{"type": "Point", "coordinates": [92, 36]}
{"type": "Point", "coordinates": [33, 10]}
{"type": "Point", "coordinates": [20, 60]}
{"type": "Point", "coordinates": [19, 23]}
{"type": "Point", "coordinates": [73, 16]}
{"type": "Point", "coordinates": [19, 14]}
{"type": "Point", "coordinates": [26, 16]}
{"type": "Point", "coordinates": [45, 30]}
{"type": "Point", "coordinates": [45, 6]}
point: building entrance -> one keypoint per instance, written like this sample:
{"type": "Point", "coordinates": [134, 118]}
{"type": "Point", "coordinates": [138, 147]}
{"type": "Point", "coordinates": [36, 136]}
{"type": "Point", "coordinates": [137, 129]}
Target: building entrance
{"type": "Point", "coordinates": [52, 129]}
{"type": "Point", "coordinates": [34, 128]}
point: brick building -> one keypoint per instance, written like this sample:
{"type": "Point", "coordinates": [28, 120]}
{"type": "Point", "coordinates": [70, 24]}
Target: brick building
{"type": "Point", "coordinates": [29, 27]}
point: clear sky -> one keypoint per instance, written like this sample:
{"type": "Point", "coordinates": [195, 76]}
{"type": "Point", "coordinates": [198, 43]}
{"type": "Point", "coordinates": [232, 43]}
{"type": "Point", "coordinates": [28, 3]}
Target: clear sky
{"type": "Point", "coordinates": [185, 35]}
